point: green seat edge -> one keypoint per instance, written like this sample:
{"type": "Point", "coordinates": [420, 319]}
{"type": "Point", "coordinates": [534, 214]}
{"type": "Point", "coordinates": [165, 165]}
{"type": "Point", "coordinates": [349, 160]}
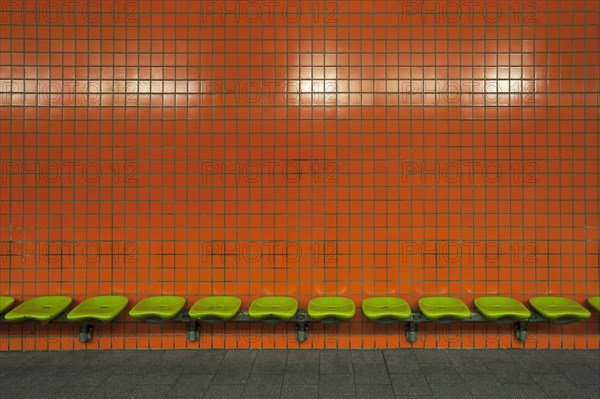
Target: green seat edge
{"type": "Point", "coordinates": [594, 302]}
{"type": "Point", "coordinates": [337, 315]}
{"type": "Point", "coordinates": [193, 309]}
{"type": "Point", "coordinates": [15, 316]}
{"type": "Point", "coordinates": [538, 304]}
{"type": "Point", "coordinates": [258, 315]}
{"type": "Point", "coordinates": [395, 315]}
{"type": "Point", "coordinates": [524, 315]}
{"type": "Point", "coordinates": [6, 302]}
{"type": "Point", "coordinates": [463, 314]}
{"type": "Point", "coordinates": [123, 301]}
{"type": "Point", "coordinates": [150, 314]}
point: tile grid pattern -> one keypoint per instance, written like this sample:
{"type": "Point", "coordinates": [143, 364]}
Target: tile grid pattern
{"type": "Point", "coordinates": [356, 148]}
{"type": "Point", "coordinates": [296, 374]}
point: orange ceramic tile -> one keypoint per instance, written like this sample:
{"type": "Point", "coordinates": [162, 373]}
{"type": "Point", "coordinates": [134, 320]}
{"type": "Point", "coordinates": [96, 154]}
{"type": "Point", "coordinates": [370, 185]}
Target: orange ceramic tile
{"type": "Point", "coordinates": [181, 147]}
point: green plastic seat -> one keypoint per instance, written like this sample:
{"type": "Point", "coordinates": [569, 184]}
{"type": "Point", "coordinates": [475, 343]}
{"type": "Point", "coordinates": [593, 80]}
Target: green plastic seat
{"type": "Point", "coordinates": [101, 308]}
{"type": "Point", "coordinates": [595, 303]}
{"type": "Point", "coordinates": [5, 303]}
{"type": "Point", "coordinates": [162, 307]}
{"type": "Point", "coordinates": [555, 308]}
{"type": "Point", "coordinates": [279, 307]}
{"type": "Point", "coordinates": [220, 307]}
{"type": "Point", "coordinates": [43, 308]}
{"type": "Point", "coordinates": [440, 307]}
{"type": "Point", "coordinates": [386, 308]}
{"type": "Point", "coordinates": [499, 307]}
{"type": "Point", "coordinates": [331, 307]}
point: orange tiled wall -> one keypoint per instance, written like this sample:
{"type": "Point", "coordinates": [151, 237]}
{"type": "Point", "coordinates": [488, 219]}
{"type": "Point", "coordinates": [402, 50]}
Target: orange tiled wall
{"type": "Point", "coordinates": [299, 148]}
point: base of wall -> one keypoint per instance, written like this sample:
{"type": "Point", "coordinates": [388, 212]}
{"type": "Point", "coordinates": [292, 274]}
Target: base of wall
{"type": "Point", "coordinates": [135, 335]}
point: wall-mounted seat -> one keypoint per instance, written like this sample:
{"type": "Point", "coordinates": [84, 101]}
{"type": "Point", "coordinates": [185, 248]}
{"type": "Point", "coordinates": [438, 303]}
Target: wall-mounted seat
{"type": "Point", "coordinates": [277, 309]}
{"type": "Point", "coordinates": [211, 309]}
{"type": "Point", "coordinates": [499, 308]}
{"type": "Point", "coordinates": [99, 309]}
{"type": "Point", "coordinates": [158, 307]}
{"type": "Point", "coordinates": [102, 309]}
{"type": "Point", "coordinates": [386, 308]}
{"type": "Point", "coordinates": [274, 307]}
{"type": "Point", "coordinates": [221, 308]}
{"type": "Point", "coordinates": [558, 309]}
{"type": "Point", "coordinates": [594, 302]}
{"type": "Point", "coordinates": [505, 310]}
{"type": "Point", "coordinates": [331, 308]}
{"type": "Point", "coordinates": [42, 309]}
{"type": "Point", "coordinates": [444, 309]}
{"type": "Point", "coordinates": [5, 303]}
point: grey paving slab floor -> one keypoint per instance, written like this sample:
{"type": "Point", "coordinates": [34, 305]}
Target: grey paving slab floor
{"type": "Point", "coordinates": [378, 374]}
